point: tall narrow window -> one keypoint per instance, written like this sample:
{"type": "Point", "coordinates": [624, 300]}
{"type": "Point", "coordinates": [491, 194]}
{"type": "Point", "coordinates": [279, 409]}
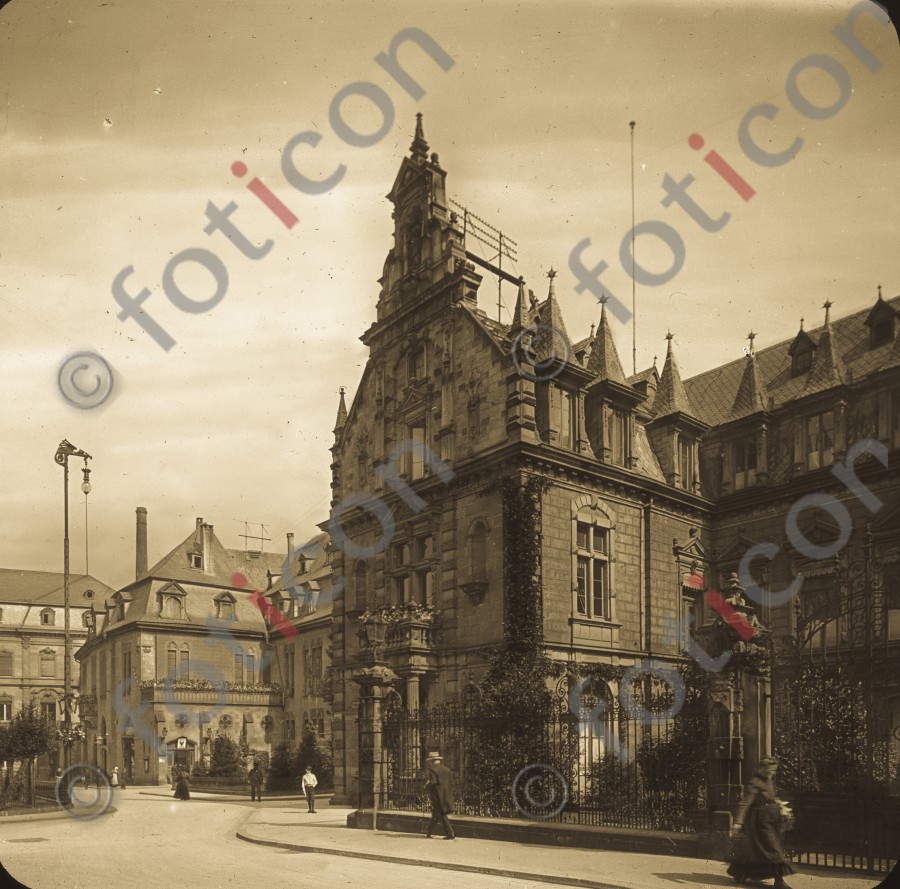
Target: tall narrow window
{"type": "Point", "coordinates": [686, 462]}
{"type": "Point", "coordinates": [239, 668]}
{"type": "Point", "coordinates": [102, 668]}
{"type": "Point", "coordinates": [48, 617]}
{"type": "Point", "coordinates": [6, 663]}
{"type": "Point", "coordinates": [126, 662]}
{"type": "Point", "coordinates": [561, 415]}
{"type": "Point", "coordinates": [416, 453]}
{"type": "Point", "coordinates": [48, 711]}
{"type": "Point", "coordinates": [250, 669]}
{"type": "Point", "coordinates": [744, 462]}
{"type": "Point", "coordinates": [171, 661]}
{"type": "Point", "coordinates": [5, 710]}
{"type": "Point", "coordinates": [360, 583]}
{"type": "Point", "coordinates": [184, 662]}
{"type": "Point", "coordinates": [820, 440]}
{"type": "Point", "coordinates": [618, 436]}
{"type": "Point", "coordinates": [417, 364]}
{"type": "Point", "coordinates": [592, 571]}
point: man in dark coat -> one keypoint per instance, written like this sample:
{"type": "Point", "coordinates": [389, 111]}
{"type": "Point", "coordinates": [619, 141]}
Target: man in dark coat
{"type": "Point", "coordinates": [438, 783]}
{"type": "Point", "coordinates": [256, 780]}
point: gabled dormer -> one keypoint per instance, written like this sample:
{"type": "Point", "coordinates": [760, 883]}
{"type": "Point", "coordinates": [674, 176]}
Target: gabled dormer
{"type": "Point", "coordinates": [224, 603]}
{"type": "Point", "coordinates": [801, 351]}
{"type": "Point", "coordinates": [675, 430]}
{"type": "Point", "coordinates": [882, 323]}
{"type": "Point", "coordinates": [610, 401]}
{"type": "Point", "coordinates": [744, 438]}
{"type": "Point", "coordinates": [559, 377]}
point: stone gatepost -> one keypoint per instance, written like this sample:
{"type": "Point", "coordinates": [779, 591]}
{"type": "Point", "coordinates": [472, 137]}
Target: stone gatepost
{"type": "Point", "coordinates": [372, 681]}
{"type": "Point", "coordinates": [740, 724]}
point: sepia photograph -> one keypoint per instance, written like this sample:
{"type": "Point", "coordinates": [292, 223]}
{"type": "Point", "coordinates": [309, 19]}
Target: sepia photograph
{"type": "Point", "coordinates": [449, 422]}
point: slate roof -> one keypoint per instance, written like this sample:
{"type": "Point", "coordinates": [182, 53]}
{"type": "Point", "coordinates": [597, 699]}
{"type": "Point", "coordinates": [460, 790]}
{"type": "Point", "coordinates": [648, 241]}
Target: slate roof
{"type": "Point", "coordinates": [46, 588]}
{"type": "Point", "coordinates": [713, 393]}
{"type": "Point", "coordinates": [671, 397]}
{"type": "Point", "coordinates": [603, 361]}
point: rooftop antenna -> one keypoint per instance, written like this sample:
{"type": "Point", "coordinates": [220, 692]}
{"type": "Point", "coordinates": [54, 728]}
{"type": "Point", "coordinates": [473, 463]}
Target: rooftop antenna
{"type": "Point", "coordinates": [261, 537]}
{"type": "Point", "coordinates": [633, 289]}
{"type": "Point", "coordinates": [486, 234]}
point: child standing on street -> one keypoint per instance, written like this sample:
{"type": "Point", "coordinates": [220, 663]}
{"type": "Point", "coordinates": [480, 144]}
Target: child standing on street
{"type": "Point", "coordinates": [308, 782]}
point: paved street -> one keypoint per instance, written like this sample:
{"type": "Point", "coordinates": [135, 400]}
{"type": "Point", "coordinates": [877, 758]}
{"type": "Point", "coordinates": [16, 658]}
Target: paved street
{"type": "Point", "coordinates": [152, 840]}
{"type": "Point", "coordinates": [157, 842]}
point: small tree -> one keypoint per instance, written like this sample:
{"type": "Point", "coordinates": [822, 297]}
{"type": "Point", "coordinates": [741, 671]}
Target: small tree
{"type": "Point", "coordinates": [281, 768]}
{"type": "Point", "coordinates": [225, 759]}
{"type": "Point", "coordinates": [30, 736]}
{"type": "Point", "coordinates": [311, 753]}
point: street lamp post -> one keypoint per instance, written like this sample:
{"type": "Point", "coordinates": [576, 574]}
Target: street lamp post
{"type": "Point", "coordinates": [65, 450]}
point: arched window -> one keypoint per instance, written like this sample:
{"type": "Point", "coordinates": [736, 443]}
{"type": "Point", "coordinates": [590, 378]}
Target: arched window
{"type": "Point", "coordinates": [184, 661]}
{"type": "Point", "coordinates": [48, 617]}
{"type": "Point", "coordinates": [171, 660]}
{"type": "Point", "coordinates": [171, 606]}
{"type": "Point", "coordinates": [360, 584]}
{"type": "Point", "coordinates": [593, 548]}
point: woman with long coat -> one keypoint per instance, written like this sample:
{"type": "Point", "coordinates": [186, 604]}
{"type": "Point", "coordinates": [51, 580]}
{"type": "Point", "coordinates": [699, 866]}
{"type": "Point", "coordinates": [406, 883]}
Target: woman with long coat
{"type": "Point", "coordinates": [181, 784]}
{"type": "Point", "coordinates": [760, 855]}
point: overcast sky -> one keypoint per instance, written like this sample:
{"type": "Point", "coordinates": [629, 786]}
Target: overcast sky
{"type": "Point", "coordinates": [120, 120]}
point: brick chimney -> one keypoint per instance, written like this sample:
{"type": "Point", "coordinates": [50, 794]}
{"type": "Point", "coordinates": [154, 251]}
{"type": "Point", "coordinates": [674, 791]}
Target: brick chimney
{"type": "Point", "coordinates": [206, 533]}
{"type": "Point", "coordinates": [290, 542]}
{"type": "Point", "coordinates": [140, 543]}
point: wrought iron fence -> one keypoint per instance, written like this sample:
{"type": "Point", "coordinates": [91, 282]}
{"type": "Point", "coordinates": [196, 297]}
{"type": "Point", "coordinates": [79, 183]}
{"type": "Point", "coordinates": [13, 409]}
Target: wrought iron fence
{"type": "Point", "coordinates": [836, 686]}
{"type": "Point", "coordinates": [615, 771]}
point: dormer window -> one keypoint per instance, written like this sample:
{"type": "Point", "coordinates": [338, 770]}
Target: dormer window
{"type": "Point", "coordinates": [744, 454]}
{"type": "Point", "coordinates": [882, 333]}
{"type": "Point", "coordinates": [196, 560]}
{"type": "Point", "coordinates": [48, 617]}
{"type": "Point", "coordinates": [801, 363]}
{"type": "Point", "coordinates": [687, 454]}
{"type": "Point", "coordinates": [225, 606]}
{"type": "Point", "coordinates": [619, 438]}
{"type": "Point", "coordinates": [820, 440]}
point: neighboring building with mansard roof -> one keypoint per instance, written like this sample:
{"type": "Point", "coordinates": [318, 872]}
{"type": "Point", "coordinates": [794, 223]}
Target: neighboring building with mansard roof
{"type": "Point", "coordinates": [650, 480]}
{"type": "Point", "coordinates": [32, 647]}
{"type": "Point", "coordinates": [180, 654]}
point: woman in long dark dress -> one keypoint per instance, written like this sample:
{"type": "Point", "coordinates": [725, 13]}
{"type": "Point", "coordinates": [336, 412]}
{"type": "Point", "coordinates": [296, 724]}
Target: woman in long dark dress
{"type": "Point", "coordinates": [760, 855]}
{"type": "Point", "coordinates": [181, 784]}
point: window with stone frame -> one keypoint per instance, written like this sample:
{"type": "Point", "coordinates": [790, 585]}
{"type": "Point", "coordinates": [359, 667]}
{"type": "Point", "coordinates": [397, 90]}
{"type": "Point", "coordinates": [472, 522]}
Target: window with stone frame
{"type": "Point", "coordinates": [825, 617]}
{"type": "Point", "coordinates": [687, 451]}
{"type": "Point", "coordinates": [48, 710]}
{"type": "Point", "coordinates": [592, 592]}
{"type": "Point", "coordinates": [6, 663]}
{"type": "Point", "coordinates": [48, 664]}
{"type": "Point", "coordinates": [184, 661]}
{"type": "Point", "coordinates": [619, 439]}
{"type": "Point", "coordinates": [171, 661]}
{"type": "Point", "coordinates": [819, 439]}
{"type": "Point", "coordinates": [416, 366]}
{"type": "Point", "coordinates": [6, 705]}
{"type": "Point", "coordinates": [891, 419]}
{"type": "Point", "coordinates": [744, 461]}
{"type": "Point", "coordinates": [48, 617]}
{"type": "Point", "coordinates": [562, 415]}
{"type": "Point", "coordinates": [415, 452]}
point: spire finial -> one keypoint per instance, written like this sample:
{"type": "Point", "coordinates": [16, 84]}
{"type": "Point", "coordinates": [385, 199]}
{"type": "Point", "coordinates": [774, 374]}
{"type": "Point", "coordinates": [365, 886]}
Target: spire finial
{"type": "Point", "coordinates": [751, 336]}
{"type": "Point", "coordinates": [801, 323]}
{"type": "Point", "coordinates": [551, 275]}
{"type": "Point", "coordinates": [592, 330]}
{"type": "Point", "coordinates": [827, 306]}
{"type": "Point", "coordinates": [419, 147]}
{"type": "Point", "coordinates": [879, 291]}
{"type": "Point", "coordinates": [655, 357]}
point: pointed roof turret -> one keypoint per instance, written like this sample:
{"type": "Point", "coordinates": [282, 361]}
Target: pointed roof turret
{"type": "Point", "coordinates": [551, 338]}
{"type": "Point", "coordinates": [521, 314]}
{"type": "Point", "coordinates": [341, 415]}
{"type": "Point", "coordinates": [419, 148]}
{"type": "Point", "coordinates": [671, 397]}
{"type": "Point", "coordinates": [827, 369]}
{"type": "Point", "coordinates": [604, 363]}
{"type": "Point", "coordinates": [752, 396]}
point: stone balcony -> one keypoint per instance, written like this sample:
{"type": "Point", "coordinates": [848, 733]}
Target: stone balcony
{"type": "Point", "coordinates": [411, 633]}
{"type": "Point", "coordinates": [156, 692]}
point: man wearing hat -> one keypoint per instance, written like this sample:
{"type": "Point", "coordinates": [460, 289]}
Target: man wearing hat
{"type": "Point", "coordinates": [438, 780]}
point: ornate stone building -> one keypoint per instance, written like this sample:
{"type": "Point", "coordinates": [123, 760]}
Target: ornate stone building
{"type": "Point", "coordinates": [653, 487]}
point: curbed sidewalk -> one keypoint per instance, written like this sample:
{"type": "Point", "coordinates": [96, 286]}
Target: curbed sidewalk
{"type": "Point", "coordinates": [326, 833]}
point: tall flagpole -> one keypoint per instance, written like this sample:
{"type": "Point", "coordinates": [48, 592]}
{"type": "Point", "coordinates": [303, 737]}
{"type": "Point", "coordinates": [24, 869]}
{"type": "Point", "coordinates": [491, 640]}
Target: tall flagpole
{"type": "Point", "coordinates": [633, 289]}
